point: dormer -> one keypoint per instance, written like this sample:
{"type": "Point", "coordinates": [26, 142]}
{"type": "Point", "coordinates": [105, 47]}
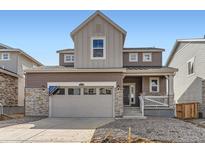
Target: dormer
{"type": "Point", "coordinates": [66, 57]}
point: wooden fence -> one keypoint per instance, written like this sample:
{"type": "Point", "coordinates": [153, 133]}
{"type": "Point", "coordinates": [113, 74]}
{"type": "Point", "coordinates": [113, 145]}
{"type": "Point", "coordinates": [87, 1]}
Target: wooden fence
{"type": "Point", "coordinates": [187, 110]}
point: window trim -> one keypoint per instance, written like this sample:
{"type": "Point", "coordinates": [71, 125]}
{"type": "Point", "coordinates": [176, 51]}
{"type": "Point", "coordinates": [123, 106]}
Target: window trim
{"type": "Point", "coordinates": [130, 55]}
{"type": "Point", "coordinates": [144, 60]}
{"type": "Point", "coordinates": [150, 85]}
{"type": "Point", "coordinates": [65, 60]}
{"type": "Point", "coordinates": [192, 62]}
{"type": "Point", "coordinates": [104, 48]}
{"type": "Point", "coordinates": [2, 55]}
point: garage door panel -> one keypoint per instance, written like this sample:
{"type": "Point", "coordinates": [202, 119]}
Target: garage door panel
{"type": "Point", "coordinates": [82, 106]}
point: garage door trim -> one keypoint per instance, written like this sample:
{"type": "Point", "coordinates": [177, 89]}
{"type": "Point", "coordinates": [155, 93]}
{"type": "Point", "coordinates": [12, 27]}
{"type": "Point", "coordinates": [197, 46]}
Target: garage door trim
{"type": "Point", "coordinates": [90, 84]}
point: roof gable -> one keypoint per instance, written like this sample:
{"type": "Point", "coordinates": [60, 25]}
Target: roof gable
{"type": "Point", "coordinates": [98, 13]}
{"type": "Point", "coordinates": [177, 48]}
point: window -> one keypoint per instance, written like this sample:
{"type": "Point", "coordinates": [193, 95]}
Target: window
{"type": "Point", "coordinates": [73, 91]}
{"type": "Point", "coordinates": [133, 57]}
{"type": "Point", "coordinates": [190, 66]}
{"type": "Point", "coordinates": [4, 56]}
{"type": "Point", "coordinates": [97, 48]}
{"type": "Point", "coordinates": [59, 91]}
{"type": "Point", "coordinates": [69, 58]}
{"type": "Point", "coordinates": [154, 84]}
{"type": "Point", "coordinates": [89, 91]}
{"type": "Point", "coordinates": [105, 91]}
{"type": "Point", "coordinates": [147, 57]}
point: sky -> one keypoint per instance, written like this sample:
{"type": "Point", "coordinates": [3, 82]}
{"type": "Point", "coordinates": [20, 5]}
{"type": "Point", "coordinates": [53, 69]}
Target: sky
{"type": "Point", "coordinates": [41, 33]}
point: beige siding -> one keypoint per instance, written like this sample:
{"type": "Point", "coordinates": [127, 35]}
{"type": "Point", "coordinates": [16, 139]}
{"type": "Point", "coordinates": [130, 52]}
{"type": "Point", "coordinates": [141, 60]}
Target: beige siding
{"type": "Point", "coordinates": [114, 45]}
{"type": "Point", "coordinates": [156, 60]}
{"type": "Point", "coordinates": [61, 60]}
{"type": "Point", "coordinates": [182, 81]}
{"type": "Point", "coordinates": [39, 80]}
{"type": "Point", "coordinates": [11, 64]}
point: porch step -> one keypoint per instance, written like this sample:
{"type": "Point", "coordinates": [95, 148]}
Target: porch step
{"type": "Point", "coordinates": [132, 112]}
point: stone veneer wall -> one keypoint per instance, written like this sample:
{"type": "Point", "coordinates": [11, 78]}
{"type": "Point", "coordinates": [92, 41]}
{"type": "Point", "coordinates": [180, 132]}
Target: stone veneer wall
{"type": "Point", "coordinates": [8, 90]}
{"type": "Point", "coordinates": [202, 105]}
{"type": "Point", "coordinates": [119, 102]}
{"type": "Point", "coordinates": [36, 102]}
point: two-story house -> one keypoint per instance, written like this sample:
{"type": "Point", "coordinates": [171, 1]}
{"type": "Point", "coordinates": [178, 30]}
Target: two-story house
{"type": "Point", "coordinates": [101, 78]}
{"type": "Point", "coordinates": [188, 57]}
{"type": "Point", "coordinates": [13, 61]}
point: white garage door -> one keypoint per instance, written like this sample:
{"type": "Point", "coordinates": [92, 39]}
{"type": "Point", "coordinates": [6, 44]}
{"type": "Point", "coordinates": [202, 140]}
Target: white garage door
{"type": "Point", "coordinates": [82, 102]}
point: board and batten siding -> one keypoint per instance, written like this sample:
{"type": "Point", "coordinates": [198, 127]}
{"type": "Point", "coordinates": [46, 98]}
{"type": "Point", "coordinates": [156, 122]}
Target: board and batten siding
{"type": "Point", "coordinates": [114, 45]}
{"type": "Point", "coordinates": [188, 88]}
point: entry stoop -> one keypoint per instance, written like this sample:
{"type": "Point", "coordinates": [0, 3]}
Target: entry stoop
{"type": "Point", "coordinates": [132, 112]}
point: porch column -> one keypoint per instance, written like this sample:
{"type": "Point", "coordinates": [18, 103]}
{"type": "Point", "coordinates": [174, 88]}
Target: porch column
{"type": "Point", "coordinates": [171, 90]}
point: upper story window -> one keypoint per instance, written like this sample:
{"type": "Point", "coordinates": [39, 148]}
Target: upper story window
{"type": "Point", "coordinates": [98, 48]}
{"type": "Point", "coordinates": [133, 57]}
{"type": "Point", "coordinates": [4, 56]}
{"type": "Point", "coordinates": [69, 58]}
{"type": "Point", "coordinates": [190, 66]}
{"type": "Point", "coordinates": [154, 84]}
{"type": "Point", "coordinates": [147, 57]}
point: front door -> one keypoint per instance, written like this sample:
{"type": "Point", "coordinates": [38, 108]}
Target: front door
{"type": "Point", "coordinates": [129, 94]}
{"type": "Point", "coordinates": [126, 93]}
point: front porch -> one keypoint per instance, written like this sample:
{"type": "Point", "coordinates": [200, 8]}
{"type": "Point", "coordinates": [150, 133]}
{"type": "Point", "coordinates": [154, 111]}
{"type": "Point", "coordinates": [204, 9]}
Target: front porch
{"type": "Point", "coordinates": [148, 95]}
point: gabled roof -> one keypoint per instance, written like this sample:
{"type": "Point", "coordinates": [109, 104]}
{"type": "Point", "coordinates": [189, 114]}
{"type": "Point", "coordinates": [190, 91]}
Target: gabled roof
{"type": "Point", "coordinates": [98, 13]}
{"type": "Point", "coordinates": [5, 71]}
{"type": "Point", "coordinates": [3, 46]}
{"type": "Point", "coordinates": [178, 41]}
{"type": "Point", "coordinates": [10, 49]}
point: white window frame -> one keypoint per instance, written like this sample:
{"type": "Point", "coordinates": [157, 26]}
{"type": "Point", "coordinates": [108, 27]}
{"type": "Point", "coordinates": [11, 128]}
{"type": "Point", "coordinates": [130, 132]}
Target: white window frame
{"type": "Point", "coordinates": [2, 56]}
{"type": "Point", "coordinates": [192, 63]}
{"type": "Point", "coordinates": [71, 59]}
{"type": "Point", "coordinates": [104, 48]}
{"type": "Point", "coordinates": [144, 59]}
{"type": "Point", "coordinates": [133, 54]}
{"type": "Point", "coordinates": [150, 84]}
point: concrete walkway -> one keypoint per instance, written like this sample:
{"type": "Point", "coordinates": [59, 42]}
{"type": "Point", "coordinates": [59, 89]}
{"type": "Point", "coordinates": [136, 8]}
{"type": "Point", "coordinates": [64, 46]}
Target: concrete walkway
{"type": "Point", "coordinates": [53, 130]}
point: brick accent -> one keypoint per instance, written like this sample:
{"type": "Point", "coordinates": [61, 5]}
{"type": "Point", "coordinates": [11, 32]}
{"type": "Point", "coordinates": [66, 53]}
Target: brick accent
{"type": "Point", "coordinates": [8, 90]}
{"type": "Point", "coordinates": [119, 102]}
{"type": "Point", "coordinates": [202, 105]}
{"type": "Point", "coordinates": [36, 102]}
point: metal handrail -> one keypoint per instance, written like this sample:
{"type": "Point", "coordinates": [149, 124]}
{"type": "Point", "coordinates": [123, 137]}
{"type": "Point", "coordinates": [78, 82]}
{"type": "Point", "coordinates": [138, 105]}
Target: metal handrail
{"type": "Point", "coordinates": [2, 109]}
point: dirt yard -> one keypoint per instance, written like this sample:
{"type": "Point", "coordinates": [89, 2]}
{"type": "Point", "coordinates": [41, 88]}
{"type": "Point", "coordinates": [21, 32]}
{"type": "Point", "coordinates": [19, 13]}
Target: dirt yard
{"type": "Point", "coordinates": [165, 130]}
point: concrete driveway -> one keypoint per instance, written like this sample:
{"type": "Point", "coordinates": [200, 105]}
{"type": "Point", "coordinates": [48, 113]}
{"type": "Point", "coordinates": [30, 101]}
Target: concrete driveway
{"type": "Point", "coordinates": [53, 130]}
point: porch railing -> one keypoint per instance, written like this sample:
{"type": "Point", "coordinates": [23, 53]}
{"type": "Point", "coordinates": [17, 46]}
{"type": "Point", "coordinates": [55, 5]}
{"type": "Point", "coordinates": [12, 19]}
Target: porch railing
{"type": "Point", "coordinates": [156, 101]}
{"type": "Point", "coordinates": [1, 109]}
{"type": "Point", "coordinates": [141, 104]}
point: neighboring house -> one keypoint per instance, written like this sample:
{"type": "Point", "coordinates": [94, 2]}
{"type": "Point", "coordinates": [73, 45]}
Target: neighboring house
{"type": "Point", "coordinates": [12, 80]}
{"type": "Point", "coordinates": [101, 78]}
{"type": "Point", "coordinates": [188, 56]}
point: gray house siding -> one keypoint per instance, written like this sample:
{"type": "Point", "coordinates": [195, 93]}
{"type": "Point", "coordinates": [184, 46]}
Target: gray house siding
{"type": "Point", "coordinates": [188, 88]}
{"type": "Point", "coordinates": [10, 64]}
{"type": "Point", "coordinates": [156, 59]}
{"type": "Point", "coordinates": [114, 45]}
{"type": "Point", "coordinates": [61, 60]}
